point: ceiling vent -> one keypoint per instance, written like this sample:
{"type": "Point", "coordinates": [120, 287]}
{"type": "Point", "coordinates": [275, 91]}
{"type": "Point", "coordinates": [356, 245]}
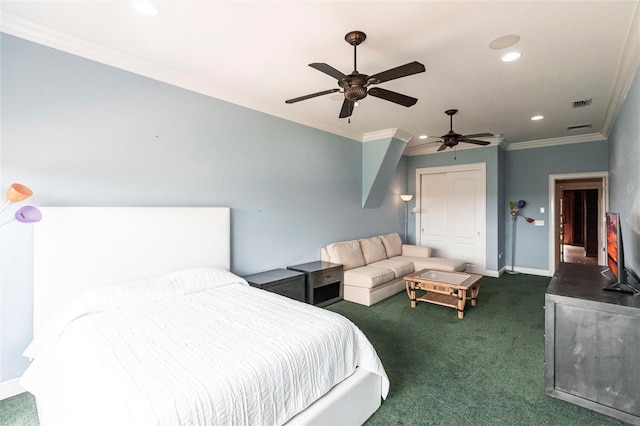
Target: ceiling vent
{"type": "Point", "coordinates": [582, 103]}
{"type": "Point", "coordinates": [579, 126]}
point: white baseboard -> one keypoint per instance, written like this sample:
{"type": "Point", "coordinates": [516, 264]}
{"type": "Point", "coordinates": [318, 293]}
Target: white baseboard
{"type": "Point", "coordinates": [10, 388]}
{"type": "Point", "coordinates": [504, 269]}
{"type": "Point", "coordinates": [493, 274]}
{"type": "Point", "coordinates": [540, 272]}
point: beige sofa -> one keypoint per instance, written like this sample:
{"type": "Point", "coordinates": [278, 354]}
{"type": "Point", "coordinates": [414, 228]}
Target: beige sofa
{"type": "Point", "coordinates": [374, 267]}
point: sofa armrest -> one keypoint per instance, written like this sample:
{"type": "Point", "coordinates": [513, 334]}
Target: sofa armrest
{"type": "Point", "coordinates": [416, 251]}
{"type": "Point", "coordinates": [324, 255]}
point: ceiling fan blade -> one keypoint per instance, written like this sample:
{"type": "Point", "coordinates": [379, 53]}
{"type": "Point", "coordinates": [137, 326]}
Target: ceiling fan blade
{"type": "Point", "coordinates": [424, 144]}
{"type": "Point", "coordinates": [347, 108]}
{"type": "Point", "coordinates": [313, 95]}
{"type": "Point", "coordinates": [328, 69]}
{"type": "Point", "coordinates": [473, 141]}
{"type": "Point", "coordinates": [442, 147]}
{"type": "Point", "coordinates": [480, 135]}
{"type": "Point", "coordinates": [395, 97]}
{"type": "Point", "coordinates": [401, 71]}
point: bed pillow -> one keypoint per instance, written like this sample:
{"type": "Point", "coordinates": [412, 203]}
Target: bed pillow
{"type": "Point", "coordinates": [347, 253]}
{"type": "Point", "coordinates": [372, 250]}
{"type": "Point", "coordinates": [392, 244]}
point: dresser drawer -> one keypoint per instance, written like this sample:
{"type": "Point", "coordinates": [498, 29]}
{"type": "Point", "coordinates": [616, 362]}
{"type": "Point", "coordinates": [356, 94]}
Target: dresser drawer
{"type": "Point", "coordinates": [322, 278]}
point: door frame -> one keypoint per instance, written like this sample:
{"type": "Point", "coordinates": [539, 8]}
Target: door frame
{"type": "Point", "coordinates": [554, 231]}
{"type": "Point", "coordinates": [482, 167]}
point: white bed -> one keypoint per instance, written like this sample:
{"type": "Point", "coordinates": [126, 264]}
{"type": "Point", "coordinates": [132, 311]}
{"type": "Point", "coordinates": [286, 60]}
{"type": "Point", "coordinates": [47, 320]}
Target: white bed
{"type": "Point", "coordinates": [191, 345]}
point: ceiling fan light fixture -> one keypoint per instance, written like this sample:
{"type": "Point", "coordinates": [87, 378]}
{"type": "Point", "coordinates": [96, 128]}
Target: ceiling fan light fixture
{"type": "Point", "coordinates": [355, 93]}
{"type": "Point", "coordinates": [511, 56]}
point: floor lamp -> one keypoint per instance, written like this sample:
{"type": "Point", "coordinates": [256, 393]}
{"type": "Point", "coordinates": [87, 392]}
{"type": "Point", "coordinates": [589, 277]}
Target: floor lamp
{"type": "Point", "coordinates": [406, 198]}
{"type": "Point", "coordinates": [515, 212]}
{"type": "Point", "coordinates": [26, 214]}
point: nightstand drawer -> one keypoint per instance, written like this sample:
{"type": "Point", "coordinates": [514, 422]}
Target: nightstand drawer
{"type": "Point", "coordinates": [322, 278]}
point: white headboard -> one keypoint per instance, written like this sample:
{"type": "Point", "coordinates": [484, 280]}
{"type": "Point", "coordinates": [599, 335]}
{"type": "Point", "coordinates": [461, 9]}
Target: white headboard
{"type": "Point", "coordinates": [78, 248]}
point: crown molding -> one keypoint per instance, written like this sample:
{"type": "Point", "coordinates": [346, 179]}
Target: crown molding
{"type": "Point", "coordinates": [387, 133]}
{"type": "Point", "coordinates": [629, 64]}
{"type": "Point", "coordinates": [591, 137]}
{"type": "Point", "coordinates": [22, 28]}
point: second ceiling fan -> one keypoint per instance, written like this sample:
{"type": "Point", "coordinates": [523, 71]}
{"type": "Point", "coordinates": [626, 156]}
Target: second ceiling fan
{"type": "Point", "coordinates": [452, 138]}
{"type": "Point", "coordinates": [356, 85]}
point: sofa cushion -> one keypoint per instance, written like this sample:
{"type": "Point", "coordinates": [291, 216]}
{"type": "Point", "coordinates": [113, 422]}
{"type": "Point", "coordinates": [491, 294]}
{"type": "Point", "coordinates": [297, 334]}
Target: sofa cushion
{"type": "Point", "coordinates": [392, 244]}
{"type": "Point", "coordinates": [416, 251]}
{"type": "Point", "coordinates": [347, 253]}
{"type": "Point", "coordinates": [368, 276]}
{"type": "Point", "coordinates": [372, 249]}
{"type": "Point", "coordinates": [437, 263]}
{"type": "Point", "coordinates": [399, 267]}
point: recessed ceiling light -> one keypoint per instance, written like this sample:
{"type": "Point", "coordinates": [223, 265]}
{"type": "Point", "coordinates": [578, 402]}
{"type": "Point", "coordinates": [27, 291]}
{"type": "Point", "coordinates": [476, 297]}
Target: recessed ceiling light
{"type": "Point", "coordinates": [355, 104]}
{"type": "Point", "coordinates": [423, 136]}
{"type": "Point", "coordinates": [537, 117]}
{"type": "Point", "coordinates": [145, 7]}
{"type": "Point", "coordinates": [504, 41]}
{"type": "Point", "coordinates": [512, 56]}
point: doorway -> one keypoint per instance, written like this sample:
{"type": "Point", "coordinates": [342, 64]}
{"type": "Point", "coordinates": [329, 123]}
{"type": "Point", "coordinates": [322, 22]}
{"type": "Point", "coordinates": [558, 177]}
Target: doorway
{"type": "Point", "coordinates": [578, 203]}
{"type": "Point", "coordinates": [578, 224]}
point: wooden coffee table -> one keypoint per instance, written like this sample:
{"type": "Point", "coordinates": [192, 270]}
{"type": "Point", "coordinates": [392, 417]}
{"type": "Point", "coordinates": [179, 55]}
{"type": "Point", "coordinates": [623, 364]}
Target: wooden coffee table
{"type": "Point", "coordinates": [451, 289]}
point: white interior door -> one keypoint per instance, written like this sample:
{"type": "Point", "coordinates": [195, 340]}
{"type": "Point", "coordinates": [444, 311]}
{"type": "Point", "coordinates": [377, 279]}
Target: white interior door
{"type": "Point", "coordinates": [452, 213]}
{"type": "Point", "coordinates": [433, 213]}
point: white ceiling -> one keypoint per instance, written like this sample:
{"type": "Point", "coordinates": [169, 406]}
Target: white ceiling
{"type": "Point", "coordinates": [256, 54]}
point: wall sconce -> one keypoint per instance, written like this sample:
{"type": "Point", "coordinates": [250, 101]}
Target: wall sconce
{"type": "Point", "coordinates": [26, 214]}
{"type": "Point", "coordinates": [406, 198]}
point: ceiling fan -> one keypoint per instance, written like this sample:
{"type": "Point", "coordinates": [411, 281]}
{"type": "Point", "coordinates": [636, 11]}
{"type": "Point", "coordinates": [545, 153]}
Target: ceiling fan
{"type": "Point", "coordinates": [452, 138]}
{"type": "Point", "coordinates": [355, 85]}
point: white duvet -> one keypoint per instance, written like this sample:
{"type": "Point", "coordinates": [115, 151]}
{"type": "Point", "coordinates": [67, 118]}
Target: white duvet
{"type": "Point", "coordinates": [198, 347]}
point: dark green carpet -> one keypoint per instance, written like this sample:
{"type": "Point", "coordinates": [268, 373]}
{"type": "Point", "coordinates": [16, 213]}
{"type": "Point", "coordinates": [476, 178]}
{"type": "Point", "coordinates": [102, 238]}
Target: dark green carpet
{"type": "Point", "coordinates": [486, 369]}
{"type": "Point", "coordinates": [19, 411]}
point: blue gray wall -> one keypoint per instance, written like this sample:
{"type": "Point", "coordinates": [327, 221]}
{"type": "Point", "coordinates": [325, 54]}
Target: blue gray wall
{"type": "Point", "coordinates": [81, 133]}
{"type": "Point", "coordinates": [527, 178]}
{"type": "Point", "coordinates": [624, 176]}
{"type": "Point", "coordinates": [380, 159]}
{"type": "Point", "coordinates": [522, 174]}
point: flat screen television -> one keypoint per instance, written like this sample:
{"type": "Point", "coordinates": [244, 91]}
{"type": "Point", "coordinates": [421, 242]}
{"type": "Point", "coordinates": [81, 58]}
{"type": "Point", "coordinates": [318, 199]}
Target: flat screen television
{"type": "Point", "coordinates": [615, 257]}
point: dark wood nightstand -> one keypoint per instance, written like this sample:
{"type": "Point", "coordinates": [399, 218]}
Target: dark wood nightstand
{"type": "Point", "coordinates": [323, 282]}
{"type": "Point", "coordinates": [281, 281]}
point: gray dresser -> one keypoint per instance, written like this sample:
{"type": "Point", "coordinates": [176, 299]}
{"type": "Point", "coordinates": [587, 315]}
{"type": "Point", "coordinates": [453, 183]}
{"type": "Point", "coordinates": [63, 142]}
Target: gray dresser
{"type": "Point", "coordinates": [592, 343]}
